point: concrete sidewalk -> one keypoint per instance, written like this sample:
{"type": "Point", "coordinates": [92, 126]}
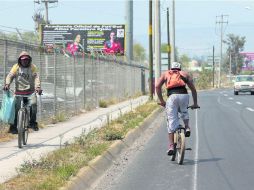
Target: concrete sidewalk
{"type": "Point", "coordinates": [51, 138]}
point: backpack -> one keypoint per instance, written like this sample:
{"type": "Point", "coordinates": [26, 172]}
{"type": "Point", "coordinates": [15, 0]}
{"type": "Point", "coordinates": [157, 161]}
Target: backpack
{"type": "Point", "coordinates": [174, 79]}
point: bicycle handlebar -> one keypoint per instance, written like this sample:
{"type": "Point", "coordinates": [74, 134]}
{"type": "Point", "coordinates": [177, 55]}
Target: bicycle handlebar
{"type": "Point", "coordinates": [198, 107]}
{"type": "Point", "coordinates": [25, 95]}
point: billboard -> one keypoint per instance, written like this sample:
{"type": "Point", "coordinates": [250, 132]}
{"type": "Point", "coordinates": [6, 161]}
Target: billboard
{"type": "Point", "coordinates": [78, 38]}
{"type": "Point", "coordinates": [248, 61]}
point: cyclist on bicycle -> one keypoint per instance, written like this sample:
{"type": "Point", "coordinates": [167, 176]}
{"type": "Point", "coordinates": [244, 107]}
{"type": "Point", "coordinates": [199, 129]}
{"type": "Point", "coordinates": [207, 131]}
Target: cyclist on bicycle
{"type": "Point", "coordinates": [178, 99]}
{"type": "Point", "coordinates": [26, 83]}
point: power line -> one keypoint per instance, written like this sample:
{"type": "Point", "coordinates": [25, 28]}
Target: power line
{"type": "Point", "coordinates": [16, 28]}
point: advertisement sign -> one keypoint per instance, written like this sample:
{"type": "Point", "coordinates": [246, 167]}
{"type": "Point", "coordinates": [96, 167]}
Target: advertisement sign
{"type": "Point", "coordinates": [78, 38]}
{"type": "Point", "coordinates": [248, 61]}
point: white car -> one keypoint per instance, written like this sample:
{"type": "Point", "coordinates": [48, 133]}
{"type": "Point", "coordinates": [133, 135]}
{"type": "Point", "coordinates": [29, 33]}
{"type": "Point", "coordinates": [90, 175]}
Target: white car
{"type": "Point", "coordinates": [244, 83]}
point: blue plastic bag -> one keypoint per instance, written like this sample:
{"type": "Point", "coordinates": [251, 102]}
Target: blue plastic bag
{"type": "Point", "coordinates": [7, 112]}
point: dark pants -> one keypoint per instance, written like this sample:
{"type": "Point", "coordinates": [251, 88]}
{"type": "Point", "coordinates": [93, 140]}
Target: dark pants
{"type": "Point", "coordinates": [32, 101]}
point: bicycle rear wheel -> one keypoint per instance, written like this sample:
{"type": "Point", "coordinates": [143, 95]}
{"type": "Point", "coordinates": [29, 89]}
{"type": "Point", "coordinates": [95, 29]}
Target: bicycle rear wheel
{"type": "Point", "coordinates": [181, 149]}
{"type": "Point", "coordinates": [21, 126]}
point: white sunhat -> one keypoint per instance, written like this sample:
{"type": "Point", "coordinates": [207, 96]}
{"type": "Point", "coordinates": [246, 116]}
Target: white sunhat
{"type": "Point", "coordinates": [176, 65]}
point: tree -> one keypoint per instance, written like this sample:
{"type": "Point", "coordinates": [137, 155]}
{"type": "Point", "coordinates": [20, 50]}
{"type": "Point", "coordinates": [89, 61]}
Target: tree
{"type": "Point", "coordinates": [26, 37]}
{"type": "Point", "coordinates": [184, 59]}
{"type": "Point", "coordinates": [164, 48]}
{"type": "Point", "coordinates": [30, 37]}
{"type": "Point", "coordinates": [204, 79]}
{"type": "Point", "coordinates": [139, 52]}
{"type": "Point", "coordinates": [235, 46]}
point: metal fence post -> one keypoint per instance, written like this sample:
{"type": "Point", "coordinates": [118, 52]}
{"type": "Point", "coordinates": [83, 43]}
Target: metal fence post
{"type": "Point", "coordinates": [143, 90]}
{"type": "Point", "coordinates": [40, 71]}
{"type": "Point", "coordinates": [5, 59]}
{"type": "Point", "coordinates": [84, 83]}
{"type": "Point", "coordinates": [74, 83]}
{"type": "Point", "coordinates": [92, 83]}
{"type": "Point", "coordinates": [65, 81]}
{"type": "Point", "coordinates": [55, 81]}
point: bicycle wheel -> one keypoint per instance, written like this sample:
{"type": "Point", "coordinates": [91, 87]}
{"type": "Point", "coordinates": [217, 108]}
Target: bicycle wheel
{"type": "Point", "coordinates": [181, 149]}
{"type": "Point", "coordinates": [25, 131]}
{"type": "Point", "coordinates": [173, 157]}
{"type": "Point", "coordinates": [20, 126]}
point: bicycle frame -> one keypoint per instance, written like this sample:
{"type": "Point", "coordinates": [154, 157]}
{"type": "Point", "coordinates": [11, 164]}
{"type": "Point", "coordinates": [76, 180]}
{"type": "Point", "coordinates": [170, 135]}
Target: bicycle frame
{"type": "Point", "coordinates": [25, 106]}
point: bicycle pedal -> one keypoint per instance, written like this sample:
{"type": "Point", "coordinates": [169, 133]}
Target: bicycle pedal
{"type": "Point", "coordinates": [188, 149]}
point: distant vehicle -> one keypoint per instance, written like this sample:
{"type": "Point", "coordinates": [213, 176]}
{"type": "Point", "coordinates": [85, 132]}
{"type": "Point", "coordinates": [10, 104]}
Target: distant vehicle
{"type": "Point", "coordinates": [244, 83]}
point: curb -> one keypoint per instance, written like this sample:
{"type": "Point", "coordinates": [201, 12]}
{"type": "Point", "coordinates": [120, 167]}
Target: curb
{"type": "Point", "coordinates": [96, 167]}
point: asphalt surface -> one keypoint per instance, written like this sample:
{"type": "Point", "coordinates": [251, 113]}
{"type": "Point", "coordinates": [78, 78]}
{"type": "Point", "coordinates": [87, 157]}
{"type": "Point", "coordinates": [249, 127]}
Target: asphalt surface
{"type": "Point", "coordinates": [221, 157]}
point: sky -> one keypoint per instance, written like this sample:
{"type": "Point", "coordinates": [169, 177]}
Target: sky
{"type": "Point", "coordinates": [195, 24]}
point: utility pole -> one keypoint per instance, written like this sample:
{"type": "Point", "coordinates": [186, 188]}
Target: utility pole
{"type": "Point", "coordinates": [230, 63]}
{"type": "Point", "coordinates": [221, 22]}
{"type": "Point", "coordinates": [213, 66]}
{"type": "Point", "coordinates": [151, 83]}
{"type": "Point", "coordinates": [168, 48]}
{"type": "Point", "coordinates": [46, 2]}
{"type": "Point", "coordinates": [172, 32]}
{"type": "Point", "coordinates": [157, 36]}
{"type": "Point", "coordinates": [129, 30]}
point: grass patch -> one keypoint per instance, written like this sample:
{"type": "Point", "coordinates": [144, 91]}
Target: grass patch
{"type": "Point", "coordinates": [4, 135]}
{"type": "Point", "coordinates": [54, 170]}
{"type": "Point", "coordinates": [103, 104]}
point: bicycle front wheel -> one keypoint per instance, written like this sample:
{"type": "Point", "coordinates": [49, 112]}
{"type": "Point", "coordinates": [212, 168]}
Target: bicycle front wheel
{"type": "Point", "coordinates": [25, 131]}
{"type": "Point", "coordinates": [20, 126]}
{"type": "Point", "coordinates": [181, 150]}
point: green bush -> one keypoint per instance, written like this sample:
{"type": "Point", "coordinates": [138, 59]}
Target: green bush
{"type": "Point", "coordinates": [103, 104]}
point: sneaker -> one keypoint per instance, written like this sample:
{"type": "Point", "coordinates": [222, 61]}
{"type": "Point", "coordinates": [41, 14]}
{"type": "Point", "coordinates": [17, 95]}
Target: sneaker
{"type": "Point", "coordinates": [34, 126]}
{"type": "Point", "coordinates": [187, 132]}
{"type": "Point", "coordinates": [13, 130]}
{"type": "Point", "coordinates": [170, 151]}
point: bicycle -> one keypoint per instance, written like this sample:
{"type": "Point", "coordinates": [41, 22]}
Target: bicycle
{"type": "Point", "coordinates": [23, 119]}
{"type": "Point", "coordinates": [179, 143]}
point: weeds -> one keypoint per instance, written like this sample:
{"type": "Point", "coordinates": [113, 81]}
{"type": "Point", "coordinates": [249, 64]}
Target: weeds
{"type": "Point", "coordinates": [103, 104]}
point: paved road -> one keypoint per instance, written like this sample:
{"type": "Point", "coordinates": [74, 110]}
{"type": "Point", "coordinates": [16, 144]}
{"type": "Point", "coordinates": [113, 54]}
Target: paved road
{"type": "Point", "coordinates": [222, 156]}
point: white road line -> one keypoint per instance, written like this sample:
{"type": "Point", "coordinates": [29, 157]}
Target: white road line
{"type": "Point", "coordinates": [225, 95]}
{"type": "Point", "coordinates": [230, 98]}
{"type": "Point", "coordinates": [196, 156]}
{"type": "Point", "coordinates": [240, 103]}
{"type": "Point", "coordinates": [250, 109]}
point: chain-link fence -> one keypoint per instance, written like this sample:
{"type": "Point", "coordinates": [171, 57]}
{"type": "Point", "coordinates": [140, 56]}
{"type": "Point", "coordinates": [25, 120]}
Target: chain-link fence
{"type": "Point", "coordinates": [72, 83]}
